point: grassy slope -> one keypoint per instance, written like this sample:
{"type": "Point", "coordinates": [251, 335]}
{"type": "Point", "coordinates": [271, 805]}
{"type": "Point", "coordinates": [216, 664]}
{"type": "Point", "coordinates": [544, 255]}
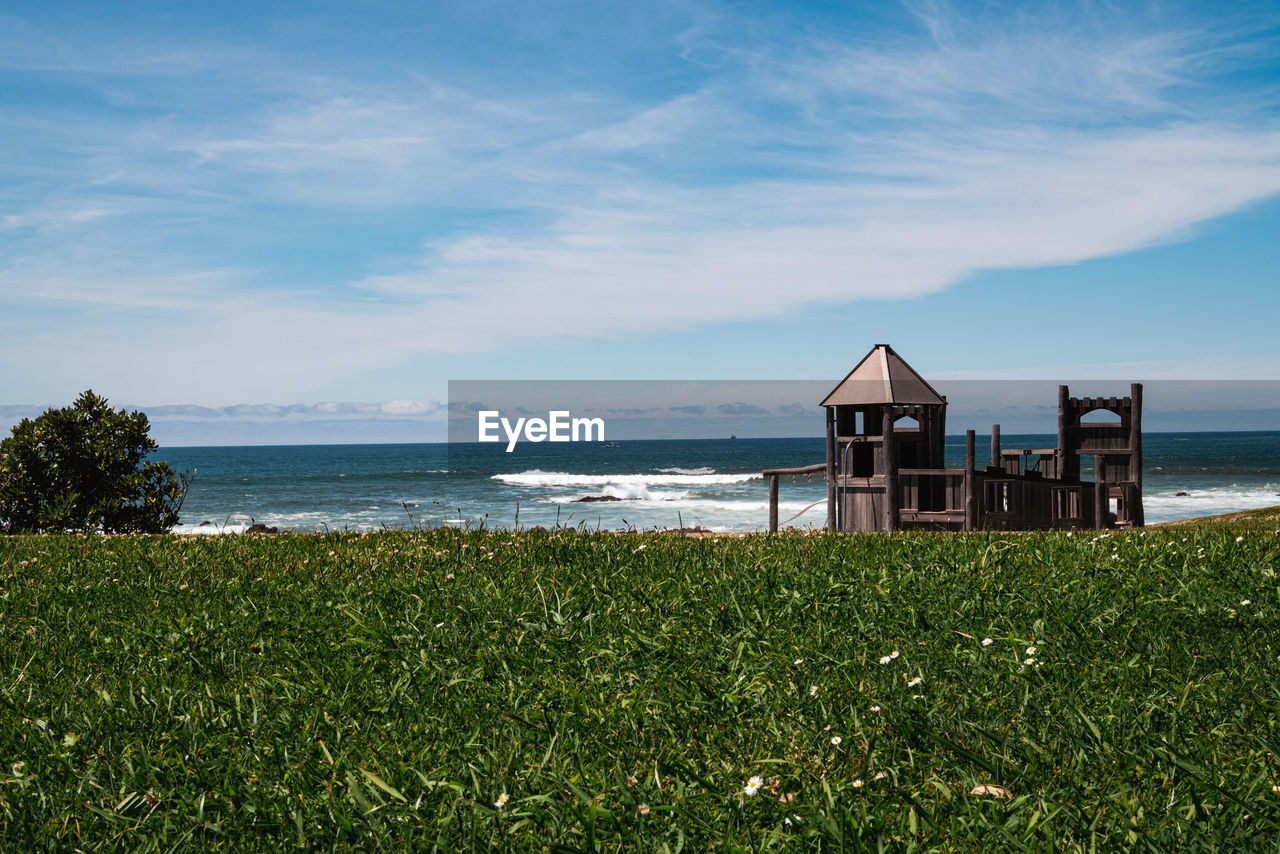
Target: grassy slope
{"type": "Point", "coordinates": [366, 692]}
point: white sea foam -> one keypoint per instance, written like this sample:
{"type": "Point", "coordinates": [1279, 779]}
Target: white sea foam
{"type": "Point", "coordinates": [209, 529]}
{"type": "Point", "coordinates": [1167, 506]}
{"type": "Point", "coordinates": [678, 470]}
{"type": "Point", "coordinates": [705, 505]}
{"type": "Point", "coordinates": [551, 479]}
{"type": "Point", "coordinates": [628, 491]}
{"type": "Point", "coordinates": [624, 492]}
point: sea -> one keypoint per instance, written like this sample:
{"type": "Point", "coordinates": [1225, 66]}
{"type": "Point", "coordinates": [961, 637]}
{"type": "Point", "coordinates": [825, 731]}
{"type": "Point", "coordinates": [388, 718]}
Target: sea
{"type": "Point", "coordinates": [715, 484]}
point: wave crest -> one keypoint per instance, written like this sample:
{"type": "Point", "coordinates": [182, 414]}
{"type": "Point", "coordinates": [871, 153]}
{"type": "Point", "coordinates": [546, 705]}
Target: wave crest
{"type": "Point", "coordinates": [537, 477]}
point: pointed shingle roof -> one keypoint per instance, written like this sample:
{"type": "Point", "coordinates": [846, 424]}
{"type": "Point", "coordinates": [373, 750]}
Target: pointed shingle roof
{"type": "Point", "coordinates": [882, 377]}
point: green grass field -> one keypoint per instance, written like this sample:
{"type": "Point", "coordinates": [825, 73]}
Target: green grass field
{"type": "Point", "coordinates": [559, 691]}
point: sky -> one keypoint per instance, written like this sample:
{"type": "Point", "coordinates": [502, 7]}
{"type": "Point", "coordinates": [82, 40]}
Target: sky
{"type": "Point", "coordinates": [299, 221]}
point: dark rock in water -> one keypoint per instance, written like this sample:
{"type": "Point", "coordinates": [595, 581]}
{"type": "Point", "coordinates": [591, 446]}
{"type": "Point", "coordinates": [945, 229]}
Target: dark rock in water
{"type": "Point", "coordinates": [696, 529]}
{"type": "Point", "coordinates": [591, 499]}
{"type": "Point", "coordinates": [1181, 494]}
{"type": "Point", "coordinates": [205, 522]}
{"type": "Point", "coordinates": [538, 528]}
{"type": "Point", "coordinates": [259, 528]}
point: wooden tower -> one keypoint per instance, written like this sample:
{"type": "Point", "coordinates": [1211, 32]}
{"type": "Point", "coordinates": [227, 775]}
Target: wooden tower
{"type": "Point", "coordinates": [881, 418]}
{"type": "Point", "coordinates": [1116, 447]}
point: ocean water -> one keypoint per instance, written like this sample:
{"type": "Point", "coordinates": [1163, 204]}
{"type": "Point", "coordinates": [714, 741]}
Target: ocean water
{"type": "Point", "coordinates": [658, 483]}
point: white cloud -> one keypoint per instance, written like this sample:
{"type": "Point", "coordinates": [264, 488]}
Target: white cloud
{"type": "Point", "coordinates": [753, 250]}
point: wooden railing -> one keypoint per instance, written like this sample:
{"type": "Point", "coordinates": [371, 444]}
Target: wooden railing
{"type": "Point", "coordinates": [773, 475]}
{"type": "Point", "coordinates": [931, 495]}
{"type": "Point", "coordinates": [1022, 502]}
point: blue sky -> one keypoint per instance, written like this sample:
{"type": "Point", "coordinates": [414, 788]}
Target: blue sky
{"type": "Point", "coordinates": [341, 207]}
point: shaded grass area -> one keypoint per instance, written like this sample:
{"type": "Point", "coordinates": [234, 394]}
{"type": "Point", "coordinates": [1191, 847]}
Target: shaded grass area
{"type": "Point", "coordinates": [366, 692]}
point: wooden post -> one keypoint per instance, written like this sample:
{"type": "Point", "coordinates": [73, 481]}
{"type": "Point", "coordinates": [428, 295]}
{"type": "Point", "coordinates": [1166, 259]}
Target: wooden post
{"type": "Point", "coordinates": [773, 503]}
{"type": "Point", "coordinates": [970, 504]}
{"type": "Point", "coordinates": [995, 448]}
{"type": "Point", "coordinates": [1101, 499]}
{"type": "Point", "coordinates": [1137, 515]}
{"type": "Point", "coordinates": [942, 435]}
{"type": "Point", "coordinates": [1066, 469]}
{"type": "Point", "coordinates": [831, 468]}
{"type": "Point", "coordinates": [890, 461]}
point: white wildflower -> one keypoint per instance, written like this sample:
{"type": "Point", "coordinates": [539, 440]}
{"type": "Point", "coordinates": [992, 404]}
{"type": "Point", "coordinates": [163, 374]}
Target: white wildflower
{"type": "Point", "coordinates": [835, 739]}
{"type": "Point", "coordinates": [501, 801]}
{"type": "Point", "coordinates": [753, 785]}
{"type": "Point", "coordinates": [987, 641]}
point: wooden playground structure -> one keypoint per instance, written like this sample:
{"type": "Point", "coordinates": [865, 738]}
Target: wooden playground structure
{"type": "Point", "coordinates": [885, 467]}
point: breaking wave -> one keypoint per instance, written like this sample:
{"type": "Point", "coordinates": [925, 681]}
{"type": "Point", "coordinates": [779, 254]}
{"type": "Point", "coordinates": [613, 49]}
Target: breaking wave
{"type": "Point", "coordinates": [1166, 505]}
{"type": "Point", "coordinates": [551, 479]}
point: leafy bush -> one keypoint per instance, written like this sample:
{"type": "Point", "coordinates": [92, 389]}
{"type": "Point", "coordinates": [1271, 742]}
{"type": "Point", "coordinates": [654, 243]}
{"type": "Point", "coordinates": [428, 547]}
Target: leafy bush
{"type": "Point", "coordinates": [85, 467]}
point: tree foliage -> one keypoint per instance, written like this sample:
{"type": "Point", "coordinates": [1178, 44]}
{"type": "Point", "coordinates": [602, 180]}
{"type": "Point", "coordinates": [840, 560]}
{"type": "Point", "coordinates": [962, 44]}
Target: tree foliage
{"type": "Point", "coordinates": [86, 467]}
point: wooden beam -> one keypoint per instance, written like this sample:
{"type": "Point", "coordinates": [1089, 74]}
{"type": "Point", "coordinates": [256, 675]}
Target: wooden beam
{"type": "Point", "coordinates": [1138, 516]}
{"type": "Point", "coordinates": [940, 450]}
{"type": "Point", "coordinates": [793, 472]}
{"type": "Point", "coordinates": [970, 502]}
{"type": "Point", "coordinates": [831, 468]}
{"type": "Point", "coordinates": [1101, 500]}
{"type": "Point", "coordinates": [890, 472]}
{"type": "Point", "coordinates": [1068, 469]}
{"type": "Point", "coordinates": [995, 447]}
{"type": "Point", "coordinates": [773, 503]}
